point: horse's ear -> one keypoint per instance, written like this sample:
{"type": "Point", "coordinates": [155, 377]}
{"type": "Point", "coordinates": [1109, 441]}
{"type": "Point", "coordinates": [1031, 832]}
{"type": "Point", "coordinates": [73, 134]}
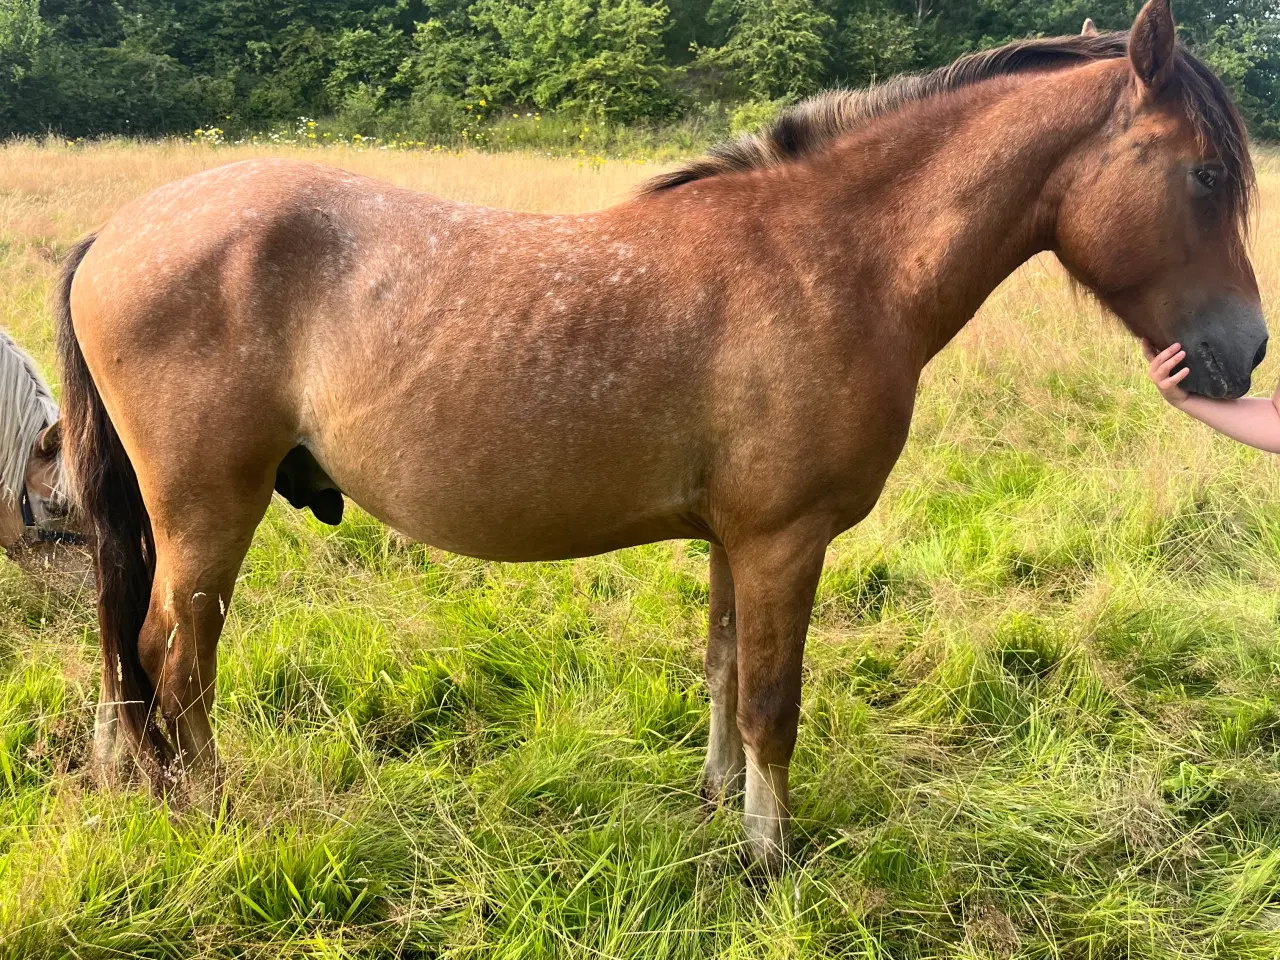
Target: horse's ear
{"type": "Point", "coordinates": [1152, 44]}
{"type": "Point", "coordinates": [1090, 29]}
{"type": "Point", "coordinates": [49, 440]}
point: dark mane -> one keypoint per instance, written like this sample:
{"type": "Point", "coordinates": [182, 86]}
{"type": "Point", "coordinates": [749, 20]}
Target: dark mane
{"type": "Point", "coordinates": [812, 124]}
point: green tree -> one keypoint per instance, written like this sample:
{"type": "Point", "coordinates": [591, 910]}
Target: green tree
{"type": "Point", "coordinates": [365, 67]}
{"type": "Point", "coordinates": [777, 49]}
{"type": "Point", "coordinates": [1245, 53]}
{"type": "Point", "coordinates": [447, 59]}
{"type": "Point", "coordinates": [83, 67]}
{"type": "Point", "coordinates": [601, 57]}
{"type": "Point", "coordinates": [20, 30]}
{"type": "Point", "coordinates": [873, 45]}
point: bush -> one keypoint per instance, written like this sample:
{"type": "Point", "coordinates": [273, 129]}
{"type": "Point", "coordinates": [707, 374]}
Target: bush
{"type": "Point", "coordinates": [753, 115]}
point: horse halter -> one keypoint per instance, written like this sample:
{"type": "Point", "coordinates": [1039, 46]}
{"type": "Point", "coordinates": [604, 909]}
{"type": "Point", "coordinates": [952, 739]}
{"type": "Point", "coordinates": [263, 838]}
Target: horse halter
{"type": "Point", "coordinates": [34, 532]}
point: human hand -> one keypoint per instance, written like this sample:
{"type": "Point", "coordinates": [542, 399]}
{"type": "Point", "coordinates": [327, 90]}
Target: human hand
{"type": "Point", "coordinates": [1160, 370]}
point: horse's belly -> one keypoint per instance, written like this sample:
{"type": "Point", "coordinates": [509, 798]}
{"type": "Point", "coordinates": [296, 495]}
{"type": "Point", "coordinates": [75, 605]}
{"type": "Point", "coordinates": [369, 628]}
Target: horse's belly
{"type": "Point", "coordinates": [525, 542]}
{"type": "Point", "coordinates": [540, 499]}
{"type": "Point", "coordinates": [485, 523]}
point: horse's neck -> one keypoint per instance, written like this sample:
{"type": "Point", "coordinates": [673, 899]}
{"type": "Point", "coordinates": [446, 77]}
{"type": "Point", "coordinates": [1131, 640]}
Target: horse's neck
{"type": "Point", "coordinates": [946, 199]}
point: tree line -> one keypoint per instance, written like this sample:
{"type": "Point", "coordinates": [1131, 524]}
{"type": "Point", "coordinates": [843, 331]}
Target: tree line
{"type": "Point", "coordinates": [431, 69]}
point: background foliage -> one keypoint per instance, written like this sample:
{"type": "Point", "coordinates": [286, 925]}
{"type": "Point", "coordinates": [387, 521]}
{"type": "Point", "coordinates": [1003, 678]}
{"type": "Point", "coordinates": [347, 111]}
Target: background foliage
{"type": "Point", "coordinates": [434, 69]}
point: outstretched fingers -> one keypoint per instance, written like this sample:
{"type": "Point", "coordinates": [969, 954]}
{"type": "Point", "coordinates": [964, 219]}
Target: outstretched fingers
{"type": "Point", "coordinates": [1161, 372]}
{"type": "Point", "coordinates": [1160, 365]}
{"type": "Point", "coordinates": [1174, 380]}
{"type": "Point", "coordinates": [1163, 364]}
{"type": "Point", "coordinates": [1156, 360]}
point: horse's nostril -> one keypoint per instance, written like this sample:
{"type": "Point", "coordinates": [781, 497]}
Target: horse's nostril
{"type": "Point", "coordinates": [1261, 354]}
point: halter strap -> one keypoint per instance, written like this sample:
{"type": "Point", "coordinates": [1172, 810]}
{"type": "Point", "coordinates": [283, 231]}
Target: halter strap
{"type": "Point", "coordinates": [31, 531]}
{"type": "Point", "coordinates": [24, 504]}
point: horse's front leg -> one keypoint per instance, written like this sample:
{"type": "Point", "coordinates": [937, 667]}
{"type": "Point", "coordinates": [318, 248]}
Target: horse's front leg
{"type": "Point", "coordinates": [722, 774]}
{"type": "Point", "coordinates": [775, 579]}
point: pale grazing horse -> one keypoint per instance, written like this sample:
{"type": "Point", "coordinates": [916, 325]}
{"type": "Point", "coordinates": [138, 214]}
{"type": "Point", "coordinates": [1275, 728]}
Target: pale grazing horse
{"type": "Point", "coordinates": [34, 505]}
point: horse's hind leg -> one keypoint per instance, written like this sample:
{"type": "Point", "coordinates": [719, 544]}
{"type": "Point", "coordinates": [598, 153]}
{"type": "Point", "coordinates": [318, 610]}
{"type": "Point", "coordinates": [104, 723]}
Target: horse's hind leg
{"type": "Point", "coordinates": [722, 774]}
{"type": "Point", "coordinates": [775, 579]}
{"type": "Point", "coordinates": [201, 538]}
{"type": "Point", "coordinates": [105, 729]}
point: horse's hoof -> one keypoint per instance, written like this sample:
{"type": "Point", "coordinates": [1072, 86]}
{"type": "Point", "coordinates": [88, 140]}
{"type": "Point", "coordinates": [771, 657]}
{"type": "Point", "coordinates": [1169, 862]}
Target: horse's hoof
{"type": "Point", "coordinates": [766, 845]}
{"type": "Point", "coordinates": [105, 775]}
{"type": "Point", "coordinates": [764, 859]}
{"type": "Point", "coordinates": [716, 790]}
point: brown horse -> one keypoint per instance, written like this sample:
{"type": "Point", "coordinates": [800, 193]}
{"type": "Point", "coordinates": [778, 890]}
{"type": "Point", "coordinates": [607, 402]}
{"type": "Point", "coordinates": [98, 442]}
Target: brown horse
{"type": "Point", "coordinates": [731, 355]}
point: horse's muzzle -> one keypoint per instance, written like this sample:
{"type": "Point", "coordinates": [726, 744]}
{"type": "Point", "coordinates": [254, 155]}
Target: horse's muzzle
{"type": "Point", "coordinates": [1224, 343]}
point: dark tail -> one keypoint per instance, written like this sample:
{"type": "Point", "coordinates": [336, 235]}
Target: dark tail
{"type": "Point", "coordinates": [106, 492]}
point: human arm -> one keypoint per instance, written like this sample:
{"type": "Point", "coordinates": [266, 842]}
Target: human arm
{"type": "Point", "coordinates": [1250, 420]}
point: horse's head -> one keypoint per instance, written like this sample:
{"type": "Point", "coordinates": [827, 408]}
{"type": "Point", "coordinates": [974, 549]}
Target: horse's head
{"type": "Point", "coordinates": [1154, 214]}
{"type": "Point", "coordinates": [46, 514]}
{"type": "Point", "coordinates": [46, 479]}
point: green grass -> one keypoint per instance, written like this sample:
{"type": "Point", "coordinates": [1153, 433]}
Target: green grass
{"type": "Point", "coordinates": [1041, 719]}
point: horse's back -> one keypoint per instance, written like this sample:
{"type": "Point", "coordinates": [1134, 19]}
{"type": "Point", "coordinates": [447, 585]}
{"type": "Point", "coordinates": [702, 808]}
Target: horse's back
{"type": "Point", "coordinates": [287, 304]}
{"type": "Point", "coordinates": [258, 226]}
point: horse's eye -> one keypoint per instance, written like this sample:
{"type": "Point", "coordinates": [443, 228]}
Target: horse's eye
{"type": "Point", "coordinates": [1205, 179]}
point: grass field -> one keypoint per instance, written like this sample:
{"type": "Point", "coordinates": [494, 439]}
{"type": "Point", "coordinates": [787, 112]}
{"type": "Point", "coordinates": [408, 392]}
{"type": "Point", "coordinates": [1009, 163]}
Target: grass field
{"type": "Point", "coordinates": [1041, 717]}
